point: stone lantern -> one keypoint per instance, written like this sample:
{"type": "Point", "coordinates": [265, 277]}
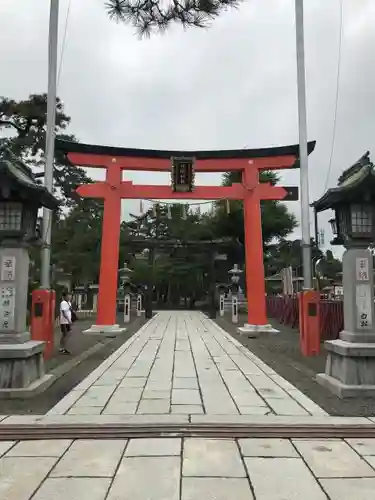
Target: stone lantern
{"type": "Point", "coordinates": [124, 286]}
{"type": "Point", "coordinates": [350, 367]}
{"type": "Point", "coordinates": [21, 359]}
{"type": "Point", "coordinates": [235, 274]}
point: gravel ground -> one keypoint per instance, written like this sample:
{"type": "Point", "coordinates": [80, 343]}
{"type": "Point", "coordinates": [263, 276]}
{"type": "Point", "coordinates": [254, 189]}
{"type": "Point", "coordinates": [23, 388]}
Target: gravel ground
{"type": "Point", "coordinates": [78, 343]}
{"type": "Point", "coordinates": [282, 353]}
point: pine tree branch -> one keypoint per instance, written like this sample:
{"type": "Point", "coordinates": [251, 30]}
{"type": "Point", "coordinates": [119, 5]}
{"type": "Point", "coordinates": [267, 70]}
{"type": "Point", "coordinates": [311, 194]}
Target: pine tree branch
{"type": "Point", "coordinates": [148, 16]}
{"type": "Point", "coordinates": [9, 123]}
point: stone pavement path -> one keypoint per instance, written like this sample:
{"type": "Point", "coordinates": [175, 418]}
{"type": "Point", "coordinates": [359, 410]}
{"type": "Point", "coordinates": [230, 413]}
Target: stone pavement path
{"type": "Point", "coordinates": [182, 363]}
{"type": "Point", "coordinates": [177, 368]}
{"type": "Point", "coordinates": [188, 469]}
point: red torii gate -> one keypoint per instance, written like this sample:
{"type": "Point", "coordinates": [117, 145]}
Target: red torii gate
{"type": "Point", "coordinates": [248, 161]}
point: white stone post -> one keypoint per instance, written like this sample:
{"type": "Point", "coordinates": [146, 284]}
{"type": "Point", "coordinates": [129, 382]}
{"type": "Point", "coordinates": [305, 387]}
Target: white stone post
{"type": "Point", "coordinates": [221, 303]}
{"type": "Point", "coordinates": [139, 305]}
{"type": "Point", "coordinates": [127, 308]}
{"type": "Point", "coordinates": [234, 309]}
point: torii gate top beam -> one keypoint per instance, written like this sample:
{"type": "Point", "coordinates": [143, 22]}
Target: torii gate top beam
{"type": "Point", "coordinates": [160, 160]}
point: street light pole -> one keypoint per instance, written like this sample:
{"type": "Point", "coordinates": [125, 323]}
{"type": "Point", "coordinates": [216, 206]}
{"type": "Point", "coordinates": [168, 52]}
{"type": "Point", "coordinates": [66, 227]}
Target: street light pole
{"type": "Point", "coordinates": [50, 141]}
{"type": "Point", "coordinates": [303, 152]}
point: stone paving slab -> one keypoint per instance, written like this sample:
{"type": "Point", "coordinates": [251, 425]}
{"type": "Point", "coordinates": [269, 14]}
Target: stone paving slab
{"type": "Point", "coordinates": [209, 488]}
{"type": "Point", "coordinates": [73, 488]}
{"type": "Point", "coordinates": [85, 459]}
{"type": "Point", "coordinates": [349, 489]}
{"type": "Point", "coordinates": [188, 469]}
{"type": "Point", "coordinates": [146, 478]}
{"type": "Point", "coordinates": [155, 447]}
{"type": "Point", "coordinates": [333, 458]}
{"type": "Point", "coordinates": [5, 446]}
{"type": "Point", "coordinates": [282, 478]}
{"type": "Point", "coordinates": [40, 448]}
{"type": "Point", "coordinates": [182, 359]}
{"type": "Point", "coordinates": [212, 458]}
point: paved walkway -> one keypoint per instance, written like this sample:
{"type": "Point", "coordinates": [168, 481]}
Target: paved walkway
{"type": "Point", "coordinates": [182, 363]}
{"type": "Point", "coordinates": [182, 367]}
{"type": "Point", "coordinates": [189, 469]}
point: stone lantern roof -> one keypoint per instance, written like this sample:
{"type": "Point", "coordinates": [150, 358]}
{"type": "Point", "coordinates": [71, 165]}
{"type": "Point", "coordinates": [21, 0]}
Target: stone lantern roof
{"type": "Point", "coordinates": [358, 178]}
{"type": "Point", "coordinates": [22, 178]}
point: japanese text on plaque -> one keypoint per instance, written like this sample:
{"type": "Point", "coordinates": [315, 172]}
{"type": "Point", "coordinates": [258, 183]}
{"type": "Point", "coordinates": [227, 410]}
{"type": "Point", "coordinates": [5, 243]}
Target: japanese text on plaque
{"type": "Point", "coordinates": [8, 268]}
{"type": "Point", "coordinates": [7, 304]}
{"type": "Point", "coordinates": [362, 269]}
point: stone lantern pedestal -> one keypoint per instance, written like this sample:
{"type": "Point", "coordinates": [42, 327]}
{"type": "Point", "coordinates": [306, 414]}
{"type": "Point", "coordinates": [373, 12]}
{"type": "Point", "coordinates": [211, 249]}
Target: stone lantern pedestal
{"type": "Point", "coordinates": [350, 365]}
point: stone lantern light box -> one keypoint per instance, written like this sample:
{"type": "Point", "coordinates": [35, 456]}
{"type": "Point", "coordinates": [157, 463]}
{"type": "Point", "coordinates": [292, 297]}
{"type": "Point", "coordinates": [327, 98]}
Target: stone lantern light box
{"type": "Point", "coordinates": [350, 367]}
{"type": "Point", "coordinates": [20, 199]}
{"type": "Point", "coordinates": [21, 360]}
{"type": "Point", "coordinates": [353, 201]}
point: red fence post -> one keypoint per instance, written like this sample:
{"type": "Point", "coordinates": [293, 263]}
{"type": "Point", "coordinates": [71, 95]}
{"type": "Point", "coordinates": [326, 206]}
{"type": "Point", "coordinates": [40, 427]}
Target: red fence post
{"type": "Point", "coordinates": [309, 304]}
{"type": "Point", "coordinates": [287, 310]}
{"type": "Point", "coordinates": [331, 319]}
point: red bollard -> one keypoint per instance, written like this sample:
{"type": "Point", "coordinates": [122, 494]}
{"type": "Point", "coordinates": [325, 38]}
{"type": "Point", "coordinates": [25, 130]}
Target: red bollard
{"type": "Point", "coordinates": [43, 318]}
{"type": "Point", "coordinates": [309, 322]}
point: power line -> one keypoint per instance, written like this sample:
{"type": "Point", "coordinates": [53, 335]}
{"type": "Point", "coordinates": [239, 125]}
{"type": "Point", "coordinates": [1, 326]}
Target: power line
{"type": "Point", "coordinates": [336, 97]}
{"type": "Point", "coordinates": [63, 44]}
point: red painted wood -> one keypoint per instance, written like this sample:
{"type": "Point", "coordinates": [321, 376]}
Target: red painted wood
{"type": "Point", "coordinates": [162, 164]}
{"type": "Point", "coordinates": [233, 192]}
{"type": "Point", "coordinates": [286, 311]}
{"type": "Point", "coordinates": [128, 190]}
{"type": "Point", "coordinates": [97, 190]}
{"type": "Point", "coordinates": [255, 284]}
{"type": "Point", "coordinates": [113, 190]}
{"type": "Point", "coordinates": [107, 294]}
{"type": "Point", "coordinates": [266, 191]}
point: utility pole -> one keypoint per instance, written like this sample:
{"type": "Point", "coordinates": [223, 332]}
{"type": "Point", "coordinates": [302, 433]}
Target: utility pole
{"type": "Point", "coordinates": [303, 152]}
{"type": "Point", "coordinates": [50, 141]}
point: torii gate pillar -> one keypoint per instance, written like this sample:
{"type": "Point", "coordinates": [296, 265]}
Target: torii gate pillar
{"type": "Point", "coordinates": [255, 279]}
{"type": "Point", "coordinates": [106, 314]}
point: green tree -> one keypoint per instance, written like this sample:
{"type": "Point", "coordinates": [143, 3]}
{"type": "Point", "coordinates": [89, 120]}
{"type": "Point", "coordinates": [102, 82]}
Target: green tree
{"type": "Point", "coordinates": [75, 248]}
{"type": "Point", "coordinates": [288, 253]}
{"type": "Point", "coordinates": [76, 241]}
{"type": "Point", "coordinates": [28, 120]}
{"type": "Point", "coordinates": [148, 16]}
{"type": "Point", "coordinates": [176, 271]}
{"type": "Point", "coordinates": [277, 222]}
{"type": "Point", "coordinates": [329, 267]}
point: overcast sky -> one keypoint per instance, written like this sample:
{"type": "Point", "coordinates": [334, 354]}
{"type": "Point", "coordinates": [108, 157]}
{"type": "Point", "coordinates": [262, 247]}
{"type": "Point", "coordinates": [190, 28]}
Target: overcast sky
{"type": "Point", "coordinates": [225, 87]}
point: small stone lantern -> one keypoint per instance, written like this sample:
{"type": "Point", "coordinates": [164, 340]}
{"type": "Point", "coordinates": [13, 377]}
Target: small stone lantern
{"type": "Point", "coordinates": [235, 273]}
{"type": "Point", "coordinates": [21, 360]}
{"type": "Point", "coordinates": [350, 368]}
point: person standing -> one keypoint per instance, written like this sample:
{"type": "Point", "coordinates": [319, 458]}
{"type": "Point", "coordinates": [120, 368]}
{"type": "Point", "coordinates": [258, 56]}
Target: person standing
{"type": "Point", "coordinates": [65, 321]}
